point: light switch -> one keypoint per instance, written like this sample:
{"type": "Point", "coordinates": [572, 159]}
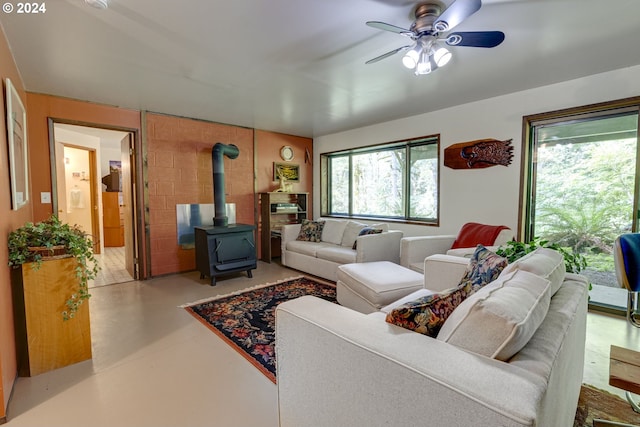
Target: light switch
{"type": "Point", "coordinates": [45, 197]}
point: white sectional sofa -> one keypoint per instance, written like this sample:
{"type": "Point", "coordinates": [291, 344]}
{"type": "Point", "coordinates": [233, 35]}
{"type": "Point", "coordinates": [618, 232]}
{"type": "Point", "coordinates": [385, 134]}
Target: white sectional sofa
{"type": "Point", "coordinates": [414, 250]}
{"type": "Point", "coordinates": [339, 367]}
{"type": "Point", "coordinates": [336, 247]}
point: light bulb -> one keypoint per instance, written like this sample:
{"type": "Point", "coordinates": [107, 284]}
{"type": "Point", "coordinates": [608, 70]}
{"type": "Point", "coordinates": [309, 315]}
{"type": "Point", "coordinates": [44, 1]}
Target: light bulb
{"type": "Point", "coordinates": [424, 65]}
{"type": "Point", "coordinates": [410, 59]}
{"type": "Point", "coordinates": [441, 56]}
{"type": "Point", "coordinates": [98, 4]}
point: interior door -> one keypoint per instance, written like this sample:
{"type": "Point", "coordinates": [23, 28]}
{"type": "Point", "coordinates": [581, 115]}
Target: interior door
{"type": "Point", "coordinates": [95, 212]}
{"type": "Point", "coordinates": [60, 196]}
{"type": "Point", "coordinates": [128, 206]}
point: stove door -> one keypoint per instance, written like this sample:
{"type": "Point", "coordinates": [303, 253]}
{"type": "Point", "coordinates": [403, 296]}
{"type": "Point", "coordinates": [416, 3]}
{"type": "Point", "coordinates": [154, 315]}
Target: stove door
{"type": "Point", "coordinates": [234, 247]}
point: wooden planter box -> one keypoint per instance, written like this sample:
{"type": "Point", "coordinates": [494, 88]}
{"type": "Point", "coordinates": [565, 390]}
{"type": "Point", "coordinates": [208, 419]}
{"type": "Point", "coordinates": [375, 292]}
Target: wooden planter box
{"type": "Point", "coordinates": [44, 341]}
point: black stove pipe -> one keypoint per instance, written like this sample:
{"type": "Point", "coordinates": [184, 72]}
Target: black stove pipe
{"type": "Point", "coordinates": [220, 203]}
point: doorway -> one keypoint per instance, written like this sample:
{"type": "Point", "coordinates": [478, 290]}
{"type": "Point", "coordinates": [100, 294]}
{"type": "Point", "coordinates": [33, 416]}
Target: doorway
{"type": "Point", "coordinates": [107, 192]}
{"type": "Point", "coordinates": [76, 179]}
{"type": "Point", "coordinates": [584, 190]}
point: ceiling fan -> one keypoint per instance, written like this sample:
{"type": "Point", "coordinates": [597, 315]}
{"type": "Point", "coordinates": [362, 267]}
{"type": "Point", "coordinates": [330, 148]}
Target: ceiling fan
{"type": "Point", "coordinates": [429, 32]}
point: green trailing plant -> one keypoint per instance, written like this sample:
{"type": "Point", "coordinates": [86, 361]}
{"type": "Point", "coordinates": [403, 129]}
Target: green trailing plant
{"type": "Point", "coordinates": [573, 261]}
{"type": "Point", "coordinates": [51, 236]}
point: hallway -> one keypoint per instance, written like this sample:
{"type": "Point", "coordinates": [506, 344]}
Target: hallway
{"type": "Point", "coordinates": [112, 268]}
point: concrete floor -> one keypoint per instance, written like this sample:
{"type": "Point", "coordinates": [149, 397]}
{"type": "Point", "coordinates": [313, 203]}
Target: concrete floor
{"type": "Point", "coordinates": [155, 365]}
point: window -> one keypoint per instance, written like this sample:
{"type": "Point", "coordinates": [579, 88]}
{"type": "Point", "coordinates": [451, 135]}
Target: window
{"type": "Point", "coordinates": [581, 186]}
{"type": "Point", "coordinates": [397, 180]}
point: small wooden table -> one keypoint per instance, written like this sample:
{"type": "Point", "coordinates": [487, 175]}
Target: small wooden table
{"type": "Point", "coordinates": [624, 372]}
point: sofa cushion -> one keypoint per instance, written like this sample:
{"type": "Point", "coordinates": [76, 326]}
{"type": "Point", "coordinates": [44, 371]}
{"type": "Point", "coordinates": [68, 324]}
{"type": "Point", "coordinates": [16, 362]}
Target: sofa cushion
{"type": "Point", "coordinates": [381, 225]}
{"type": "Point", "coordinates": [333, 231]}
{"type": "Point", "coordinates": [484, 267]}
{"type": "Point", "coordinates": [338, 254]}
{"type": "Point", "coordinates": [544, 262]}
{"type": "Point", "coordinates": [499, 319]}
{"type": "Point", "coordinates": [311, 231]}
{"type": "Point", "coordinates": [427, 314]}
{"type": "Point", "coordinates": [306, 248]}
{"type": "Point", "coordinates": [472, 234]}
{"type": "Point", "coordinates": [351, 233]}
{"type": "Point", "coordinates": [364, 232]}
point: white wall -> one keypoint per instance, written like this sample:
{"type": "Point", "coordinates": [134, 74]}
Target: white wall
{"type": "Point", "coordinates": [66, 136]}
{"type": "Point", "coordinates": [109, 150]}
{"type": "Point", "coordinates": [489, 195]}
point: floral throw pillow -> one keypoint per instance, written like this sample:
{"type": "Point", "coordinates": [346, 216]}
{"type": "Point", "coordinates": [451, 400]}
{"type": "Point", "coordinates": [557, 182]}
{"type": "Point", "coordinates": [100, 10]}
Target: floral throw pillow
{"type": "Point", "coordinates": [364, 232]}
{"type": "Point", "coordinates": [310, 231]}
{"type": "Point", "coordinates": [427, 314]}
{"type": "Point", "coordinates": [485, 267]}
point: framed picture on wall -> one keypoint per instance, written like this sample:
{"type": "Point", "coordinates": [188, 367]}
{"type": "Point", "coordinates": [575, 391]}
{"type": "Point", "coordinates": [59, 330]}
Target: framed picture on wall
{"type": "Point", "coordinates": [17, 140]}
{"type": "Point", "coordinates": [290, 171]}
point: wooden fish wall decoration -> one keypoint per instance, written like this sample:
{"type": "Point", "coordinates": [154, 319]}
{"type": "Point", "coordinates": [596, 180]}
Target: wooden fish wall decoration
{"type": "Point", "coordinates": [481, 153]}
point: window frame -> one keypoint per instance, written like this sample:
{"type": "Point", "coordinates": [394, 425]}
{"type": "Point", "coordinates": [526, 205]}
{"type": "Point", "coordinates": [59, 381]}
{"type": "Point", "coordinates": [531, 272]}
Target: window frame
{"type": "Point", "coordinates": [406, 144]}
{"type": "Point", "coordinates": [527, 166]}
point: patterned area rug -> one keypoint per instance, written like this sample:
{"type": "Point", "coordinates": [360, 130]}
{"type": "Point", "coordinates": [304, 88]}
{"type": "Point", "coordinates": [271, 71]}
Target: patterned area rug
{"type": "Point", "coordinates": [600, 404]}
{"type": "Point", "coordinates": [246, 319]}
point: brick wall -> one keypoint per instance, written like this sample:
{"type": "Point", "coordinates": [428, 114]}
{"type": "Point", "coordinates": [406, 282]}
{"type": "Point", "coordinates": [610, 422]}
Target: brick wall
{"type": "Point", "coordinates": [179, 171]}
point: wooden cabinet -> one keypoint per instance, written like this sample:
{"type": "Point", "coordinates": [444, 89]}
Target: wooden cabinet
{"type": "Point", "coordinates": [112, 219]}
{"type": "Point", "coordinates": [278, 209]}
{"type": "Point", "coordinates": [44, 341]}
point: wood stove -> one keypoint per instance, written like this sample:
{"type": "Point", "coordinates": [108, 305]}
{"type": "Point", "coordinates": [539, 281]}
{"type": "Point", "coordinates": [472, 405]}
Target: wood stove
{"type": "Point", "coordinates": [224, 248]}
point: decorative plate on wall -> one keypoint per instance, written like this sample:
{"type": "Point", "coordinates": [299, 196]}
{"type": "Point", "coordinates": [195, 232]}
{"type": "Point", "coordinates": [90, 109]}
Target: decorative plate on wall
{"type": "Point", "coordinates": [286, 153]}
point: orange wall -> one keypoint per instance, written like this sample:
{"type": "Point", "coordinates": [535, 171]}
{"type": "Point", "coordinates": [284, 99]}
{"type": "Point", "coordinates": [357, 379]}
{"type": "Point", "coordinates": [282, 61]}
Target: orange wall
{"type": "Point", "coordinates": [41, 108]}
{"type": "Point", "coordinates": [268, 145]}
{"type": "Point", "coordinates": [179, 171]}
{"type": "Point", "coordinates": [9, 220]}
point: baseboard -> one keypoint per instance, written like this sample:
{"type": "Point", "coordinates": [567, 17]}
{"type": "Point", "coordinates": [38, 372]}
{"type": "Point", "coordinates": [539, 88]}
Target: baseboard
{"type": "Point", "coordinates": [4, 420]}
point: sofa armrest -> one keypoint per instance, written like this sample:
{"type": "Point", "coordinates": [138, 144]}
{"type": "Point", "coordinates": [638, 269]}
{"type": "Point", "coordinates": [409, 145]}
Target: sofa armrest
{"type": "Point", "coordinates": [443, 271]}
{"type": "Point", "coordinates": [288, 233]}
{"type": "Point", "coordinates": [338, 367]}
{"type": "Point", "coordinates": [468, 252]}
{"type": "Point", "coordinates": [416, 249]}
{"type": "Point", "coordinates": [379, 247]}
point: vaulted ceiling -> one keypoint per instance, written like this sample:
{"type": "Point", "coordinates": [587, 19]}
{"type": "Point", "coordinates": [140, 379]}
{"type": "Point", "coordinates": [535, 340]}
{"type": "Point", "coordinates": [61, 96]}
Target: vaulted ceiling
{"type": "Point", "coordinates": [298, 66]}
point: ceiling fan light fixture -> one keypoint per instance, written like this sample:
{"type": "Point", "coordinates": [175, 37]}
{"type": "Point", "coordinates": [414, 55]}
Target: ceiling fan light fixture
{"type": "Point", "coordinates": [424, 65]}
{"type": "Point", "coordinates": [98, 4]}
{"type": "Point", "coordinates": [441, 56]}
{"type": "Point", "coordinates": [412, 57]}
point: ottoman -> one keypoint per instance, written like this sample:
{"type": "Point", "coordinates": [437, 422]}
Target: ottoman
{"type": "Point", "coordinates": [368, 286]}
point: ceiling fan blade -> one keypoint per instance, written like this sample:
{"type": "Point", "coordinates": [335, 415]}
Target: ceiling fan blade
{"type": "Point", "coordinates": [475, 38]}
{"type": "Point", "coordinates": [388, 27]}
{"type": "Point", "coordinates": [456, 13]}
{"type": "Point", "coordinates": [388, 54]}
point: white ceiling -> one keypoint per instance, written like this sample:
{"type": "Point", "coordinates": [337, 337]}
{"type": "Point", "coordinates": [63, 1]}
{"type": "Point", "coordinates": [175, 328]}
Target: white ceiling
{"type": "Point", "coordinates": [297, 66]}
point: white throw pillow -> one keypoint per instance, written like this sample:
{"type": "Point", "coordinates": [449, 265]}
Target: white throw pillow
{"type": "Point", "coordinates": [381, 226]}
{"type": "Point", "coordinates": [333, 231]}
{"type": "Point", "coordinates": [543, 262]}
{"type": "Point", "coordinates": [351, 232]}
{"type": "Point", "coordinates": [499, 319]}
